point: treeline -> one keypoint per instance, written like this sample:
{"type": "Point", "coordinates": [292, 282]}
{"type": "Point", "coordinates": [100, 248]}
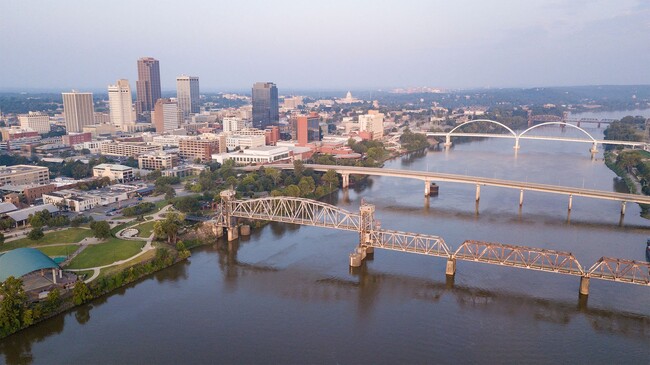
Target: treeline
{"type": "Point", "coordinates": [17, 312]}
{"type": "Point", "coordinates": [628, 128]}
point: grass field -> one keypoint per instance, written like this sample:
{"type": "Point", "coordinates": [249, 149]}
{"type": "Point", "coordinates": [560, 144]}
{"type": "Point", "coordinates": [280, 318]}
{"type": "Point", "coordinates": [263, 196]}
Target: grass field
{"type": "Point", "coordinates": [118, 268]}
{"type": "Point", "coordinates": [70, 235]}
{"type": "Point", "coordinates": [64, 250]}
{"type": "Point", "coordinates": [145, 229]}
{"type": "Point", "coordinates": [112, 250]}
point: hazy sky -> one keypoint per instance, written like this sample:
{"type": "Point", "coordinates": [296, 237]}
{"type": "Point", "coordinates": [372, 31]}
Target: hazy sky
{"type": "Point", "coordinates": [87, 44]}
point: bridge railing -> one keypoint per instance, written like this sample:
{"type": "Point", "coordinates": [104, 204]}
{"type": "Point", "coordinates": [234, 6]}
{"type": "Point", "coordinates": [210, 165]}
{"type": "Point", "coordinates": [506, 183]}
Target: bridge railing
{"type": "Point", "coordinates": [520, 256]}
{"type": "Point", "coordinates": [621, 270]}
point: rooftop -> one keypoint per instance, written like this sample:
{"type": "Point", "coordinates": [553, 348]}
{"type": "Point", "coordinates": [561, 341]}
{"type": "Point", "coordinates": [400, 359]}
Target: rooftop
{"type": "Point", "coordinates": [111, 166]}
{"type": "Point", "coordinates": [22, 261]}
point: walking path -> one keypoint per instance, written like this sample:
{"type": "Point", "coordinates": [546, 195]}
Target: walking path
{"type": "Point", "coordinates": [146, 248]}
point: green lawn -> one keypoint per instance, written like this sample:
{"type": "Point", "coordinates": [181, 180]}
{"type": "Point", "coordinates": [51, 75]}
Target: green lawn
{"type": "Point", "coordinates": [70, 235]}
{"type": "Point", "coordinates": [54, 251]}
{"type": "Point", "coordinates": [112, 250]}
{"type": "Point", "coordinates": [145, 229]}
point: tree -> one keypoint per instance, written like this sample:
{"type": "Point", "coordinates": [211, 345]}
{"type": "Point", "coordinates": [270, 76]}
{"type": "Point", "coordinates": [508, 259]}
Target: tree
{"type": "Point", "coordinates": [274, 174]}
{"type": "Point", "coordinates": [12, 306]}
{"type": "Point", "coordinates": [170, 193]}
{"type": "Point", "coordinates": [306, 185]}
{"type": "Point", "coordinates": [298, 168]}
{"type": "Point", "coordinates": [35, 234]}
{"type": "Point", "coordinates": [80, 293]}
{"type": "Point", "coordinates": [101, 229]}
{"type": "Point", "coordinates": [169, 227]}
{"type": "Point", "coordinates": [292, 190]}
{"type": "Point", "coordinates": [2, 238]}
{"type": "Point", "coordinates": [331, 178]}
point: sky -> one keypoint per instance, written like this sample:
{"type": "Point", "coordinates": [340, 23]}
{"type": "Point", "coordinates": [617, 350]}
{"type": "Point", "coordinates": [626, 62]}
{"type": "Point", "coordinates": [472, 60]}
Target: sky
{"type": "Point", "coordinates": [326, 45]}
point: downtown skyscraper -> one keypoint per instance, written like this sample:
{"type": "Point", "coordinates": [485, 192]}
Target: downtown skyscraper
{"type": "Point", "coordinates": [120, 105]}
{"type": "Point", "coordinates": [265, 105]}
{"type": "Point", "coordinates": [79, 110]}
{"type": "Point", "coordinates": [148, 84]}
{"type": "Point", "coordinates": [187, 94]}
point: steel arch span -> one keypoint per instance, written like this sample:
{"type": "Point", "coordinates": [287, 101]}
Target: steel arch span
{"type": "Point", "coordinates": [557, 123]}
{"type": "Point", "coordinates": [514, 134]}
{"type": "Point", "coordinates": [297, 211]}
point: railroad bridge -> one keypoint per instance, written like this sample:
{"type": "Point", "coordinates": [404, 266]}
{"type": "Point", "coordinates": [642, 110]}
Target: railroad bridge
{"type": "Point", "coordinates": [372, 236]}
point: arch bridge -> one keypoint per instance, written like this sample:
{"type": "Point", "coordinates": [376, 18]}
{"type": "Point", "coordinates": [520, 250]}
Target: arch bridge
{"type": "Point", "coordinates": [373, 236]}
{"type": "Point", "coordinates": [511, 134]}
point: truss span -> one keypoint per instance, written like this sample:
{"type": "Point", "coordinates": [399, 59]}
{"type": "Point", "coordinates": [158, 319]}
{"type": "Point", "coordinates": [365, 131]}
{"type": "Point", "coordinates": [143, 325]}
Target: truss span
{"type": "Point", "coordinates": [626, 271]}
{"type": "Point", "coordinates": [297, 211]}
{"type": "Point", "coordinates": [409, 242]}
{"type": "Point", "coordinates": [519, 256]}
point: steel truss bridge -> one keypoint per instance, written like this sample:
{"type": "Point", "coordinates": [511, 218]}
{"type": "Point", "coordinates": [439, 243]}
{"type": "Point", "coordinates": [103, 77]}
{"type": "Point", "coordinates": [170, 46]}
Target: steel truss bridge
{"type": "Point", "coordinates": [511, 134]}
{"type": "Point", "coordinates": [371, 235]}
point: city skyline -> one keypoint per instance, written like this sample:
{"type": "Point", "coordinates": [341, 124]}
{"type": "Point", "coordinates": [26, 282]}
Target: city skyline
{"type": "Point", "coordinates": [359, 45]}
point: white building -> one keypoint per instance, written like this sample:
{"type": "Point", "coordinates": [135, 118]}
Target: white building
{"type": "Point", "coordinates": [232, 124]}
{"type": "Point", "coordinates": [187, 94]}
{"type": "Point", "coordinates": [168, 140]}
{"type": "Point", "coordinates": [256, 155]}
{"type": "Point", "coordinates": [243, 142]}
{"type": "Point", "coordinates": [79, 110]}
{"type": "Point", "coordinates": [119, 173]}
{"type": "Point", "coordinates": [35, 121]}
{"type": "Point", "coordinates": [372, 122]}
{"type": "Point", "coordinates": [92, 146]}
{"type": "Point", "coordinates": [72, 200]}
{"type": "Point", "coordinates": [120, 105]}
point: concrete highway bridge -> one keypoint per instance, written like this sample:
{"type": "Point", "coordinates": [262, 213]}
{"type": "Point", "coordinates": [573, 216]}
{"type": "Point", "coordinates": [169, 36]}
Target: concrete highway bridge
{"type": "Point", "coordinates": [428, 177]}
{"type": "Point", "coordinates": [524, 135]}
{"type": "Point", "coordinates": [373, 236]}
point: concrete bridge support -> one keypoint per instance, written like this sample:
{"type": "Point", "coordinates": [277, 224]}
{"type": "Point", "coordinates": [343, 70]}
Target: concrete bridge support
{"type": "Point", "coordinates": [427, 188]}
{"type": "Point", "coordinates": [570, 201]}
{"type": "Point", "coordinates": [447, 141]}
{"type": "Point", "coordinates": [584, 285]}
{"type": "Point", "coordinates": [594, 148]}
{"type": "Point", "coordinates": [451, 266]}
{"type": "Point", "coordinates": [516, 147]}
{"type": "Point", "coordinates": [521, 198]}
{"type": "Point", "coordinates": [346, 180]}
{"type": "Point", "coordinates": [478, 192]}
{"type": "Point", "coordinates": [623, 208]}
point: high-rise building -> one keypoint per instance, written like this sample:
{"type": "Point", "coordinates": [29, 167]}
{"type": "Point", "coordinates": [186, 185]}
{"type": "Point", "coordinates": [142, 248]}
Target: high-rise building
{"type": "Point", "coordinates": [187, 94]}
{"type": "Point", "coordinates": [78, 109]}
{"type": "Point", "coordinates": [36, 121]}
{"type": "Point", "coordinates": [148, 84]}
{"type": "Point", "coordinates": [166, 115]}
{"type": "Point", "coordinates": [119, 103]}
{"type": "Point", "coordinates": [232, 124]}
{"type": "Point", "coordinates": [265, 105]}
{"type": "Point", "coordinates": [307, 128]}
{"type": "Point", "coordinates": [372, 122]}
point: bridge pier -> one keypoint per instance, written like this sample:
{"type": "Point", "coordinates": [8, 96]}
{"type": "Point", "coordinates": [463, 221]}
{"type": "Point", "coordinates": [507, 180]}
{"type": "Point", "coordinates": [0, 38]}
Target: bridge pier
{"type": "Point", "coordinates": [516, 147]}
{"type": "Point", "coordinates": [427, 188]}
{"type": "Point", "coordinates": [521, 198]}
{"type": "Point", "coordinates": [584, 285]}
{"type": "Point", "coordinates": [623, 208]}
{"type": "Point", "coordinates": [233, 233]}
{"type": "Point", "coordinates": [346, 180]}
{"type": "Point", "coordinates": [478, 192]}
{"type": "Point", "coordinates": [594, 148]}
{"type": "Point", "coordinates": [570, 201]}
{"type": "Point", "coordinates": [450, 270]}
{"type": "Point", "coordinates": [447, 141]}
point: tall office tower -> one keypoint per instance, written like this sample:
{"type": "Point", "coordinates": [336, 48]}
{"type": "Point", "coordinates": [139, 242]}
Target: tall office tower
{"type": "Point", "coordinates": [166, 115]}
{"type": "Point", "coordinates": [79, 110]}
{"type": "Point", "coordinates": [119, 103]}
{"type": "Point", "coordinates": [307, 128]}
{"type": "Point", "coordinates": [148, 84]}
{"type": "Point", "coordinates": [265, 105]}
{"type": "Point", "coordinates": [372, 122]}
{"type": "Point", "coordinates": [187, 94]}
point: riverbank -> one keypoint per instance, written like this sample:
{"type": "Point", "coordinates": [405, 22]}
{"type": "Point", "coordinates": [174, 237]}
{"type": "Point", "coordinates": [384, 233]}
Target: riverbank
{"type": "Point", "coordinates": [632, 180]}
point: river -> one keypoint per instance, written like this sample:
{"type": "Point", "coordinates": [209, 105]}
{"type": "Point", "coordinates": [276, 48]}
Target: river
{"type": "Point", "coordinates": [287, 295]}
